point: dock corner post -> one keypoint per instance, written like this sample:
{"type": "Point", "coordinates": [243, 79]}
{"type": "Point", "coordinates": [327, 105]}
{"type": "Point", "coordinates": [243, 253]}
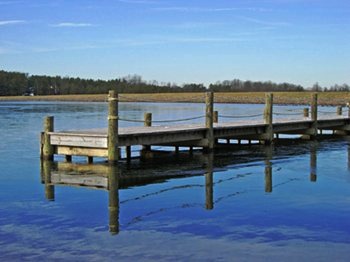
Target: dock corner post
{"type": "Point", "coordinates": [268, 118]}
{"type": "Point", "coordinates": [209, 113]}
{"type": "Point", "coordinates": [113, 127]}
{"type": "Point", "coordinates": [47, 151]}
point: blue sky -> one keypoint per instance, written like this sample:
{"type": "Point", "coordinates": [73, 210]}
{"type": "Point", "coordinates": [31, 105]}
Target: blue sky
{"type": "Point", "coordinates": [201, 41]}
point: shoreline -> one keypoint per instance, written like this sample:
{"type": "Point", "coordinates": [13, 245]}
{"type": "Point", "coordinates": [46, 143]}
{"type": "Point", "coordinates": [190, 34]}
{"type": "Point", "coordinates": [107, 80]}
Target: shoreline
{"type": "Point", "coordinates": [282, 98]}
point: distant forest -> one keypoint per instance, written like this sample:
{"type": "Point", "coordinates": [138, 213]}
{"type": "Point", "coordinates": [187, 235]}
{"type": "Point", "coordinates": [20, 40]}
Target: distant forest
{"type": "Point", "coordinates": [16, 83]}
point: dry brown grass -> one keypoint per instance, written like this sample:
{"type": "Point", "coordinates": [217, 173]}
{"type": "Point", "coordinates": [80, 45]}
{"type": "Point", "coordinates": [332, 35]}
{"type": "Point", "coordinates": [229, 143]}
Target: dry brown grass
{"type": "Point", "coordinates": [327, 98]}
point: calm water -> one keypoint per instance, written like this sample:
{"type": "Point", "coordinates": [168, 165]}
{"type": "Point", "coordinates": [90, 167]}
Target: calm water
{"type": "Point", "coordinates": [290, 202]}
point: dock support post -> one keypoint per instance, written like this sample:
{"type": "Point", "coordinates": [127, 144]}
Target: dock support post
{"type": "Point", "coordinates": [339, 110]}
{"type": "Point", "coordinates": [312, 132]}
{"type": "Point", "coordinates": [147, 123]}
{"type": "Point", "coordinates": [47, 151]}
{"type": "Point", "coordinates": [113, 127]}
{"type": "Point", "coordinates": [216, 117]}
{"type": "Point", "coordinates": [209, 104]}
{"type": "Point", "coordinates": [306, 112]}
{"type": "Point", "coordinates": [314, 106]}
{"type": "Point", "coordinates": [216, 120]}
{"type": "Point", "coordinates": [146, 149]}
{"type": "Point", "coordinates": [268, 114]}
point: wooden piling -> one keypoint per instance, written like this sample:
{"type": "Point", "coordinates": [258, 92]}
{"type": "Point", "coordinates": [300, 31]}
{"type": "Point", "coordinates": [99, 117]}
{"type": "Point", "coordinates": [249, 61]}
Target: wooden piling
{"type": "Point", "coordinates": [48, 150]}
{"type": "Point", "coordinates": [314, 113]}
{"type": "Point", "coordinates": [147, 122]}
{"type": "Point", "coordinates": [268, 118]}
{"type": "Point", "coordinates": [148, 119]}
{"type": "Point", "coordinates": [216, 117]}
{"type": "Point", "coordinates": [112, 127]}
{"type": "Point", "coordinates": [209, 104]}
{"type": "Point", "coordinates": [339, 110]}
{"type": "Point", "coordinates": [306, 112]}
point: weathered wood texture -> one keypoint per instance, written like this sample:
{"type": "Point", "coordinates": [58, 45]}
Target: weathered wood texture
{"type": "Point", "coordinates": [209, 120]}
{"type": "Point", "coordinates": [267, 137]}
{"type": "Point", "coordinates": [112, 127]}
{"type": "Point", "coordinates": [47, 148]}
{"type": "Point", "coordinates": [147, 123]}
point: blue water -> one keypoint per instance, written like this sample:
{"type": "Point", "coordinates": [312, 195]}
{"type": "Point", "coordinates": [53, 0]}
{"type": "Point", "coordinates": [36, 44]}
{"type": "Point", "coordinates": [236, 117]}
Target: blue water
{"type": "Point", "coordinates": [173, 216]}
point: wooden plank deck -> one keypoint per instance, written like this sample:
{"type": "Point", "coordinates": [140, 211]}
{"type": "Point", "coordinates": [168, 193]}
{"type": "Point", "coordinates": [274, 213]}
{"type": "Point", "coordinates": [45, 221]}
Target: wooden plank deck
{"type": "Point", "coordinates": [159, 135]}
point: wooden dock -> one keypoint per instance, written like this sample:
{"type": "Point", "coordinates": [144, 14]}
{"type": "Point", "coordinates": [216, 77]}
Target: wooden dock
{"type": "Point", "coordinates": [209, 135]}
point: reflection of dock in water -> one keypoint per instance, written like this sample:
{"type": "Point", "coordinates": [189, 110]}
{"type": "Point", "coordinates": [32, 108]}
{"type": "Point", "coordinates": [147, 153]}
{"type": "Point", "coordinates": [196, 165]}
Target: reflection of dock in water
{"type": "Point", "coordinates": [113, 178]}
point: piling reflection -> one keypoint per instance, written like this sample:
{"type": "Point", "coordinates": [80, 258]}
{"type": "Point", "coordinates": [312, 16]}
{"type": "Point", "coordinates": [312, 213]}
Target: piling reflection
{"type": "Point", "coordinates": [46, 167]}
{"type": "Point", "coordinates": [113, 200]}
{"type": "Point", "coordinates": [313, 162]}
{"type": "Point", "coordinates": [268, 168]}
{"type": "Point", "coordinates": [209, 185]}
{"type": "Point", "coordinates": [113, 178]}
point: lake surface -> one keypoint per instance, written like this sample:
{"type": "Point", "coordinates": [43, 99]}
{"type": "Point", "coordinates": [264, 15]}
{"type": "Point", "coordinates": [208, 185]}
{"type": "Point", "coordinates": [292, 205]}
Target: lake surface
{"type": "Point", "coordinates": [289, 202]}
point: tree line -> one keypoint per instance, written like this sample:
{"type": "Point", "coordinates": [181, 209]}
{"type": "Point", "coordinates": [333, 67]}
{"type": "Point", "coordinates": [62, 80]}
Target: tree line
{"type": "Point", "coordinates": [16, 83]}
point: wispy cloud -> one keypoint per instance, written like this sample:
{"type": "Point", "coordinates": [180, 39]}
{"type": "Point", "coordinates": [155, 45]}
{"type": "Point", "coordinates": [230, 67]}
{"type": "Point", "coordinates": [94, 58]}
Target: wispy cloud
{"type": "Point", "coordinates": [10, 2]}
{"type": "Point", "coordinates": [138, 1]}
{"type": "Point", "coordinates": [200, 9]}
{"type": "Point", "coordinates": [263, 22]}
{"type": "Point", "coordinates": [11, 22]}
{"type": "Point", "coordinates": [183, 40]}
{"type": "Point", "coordinates": [70, 24]}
